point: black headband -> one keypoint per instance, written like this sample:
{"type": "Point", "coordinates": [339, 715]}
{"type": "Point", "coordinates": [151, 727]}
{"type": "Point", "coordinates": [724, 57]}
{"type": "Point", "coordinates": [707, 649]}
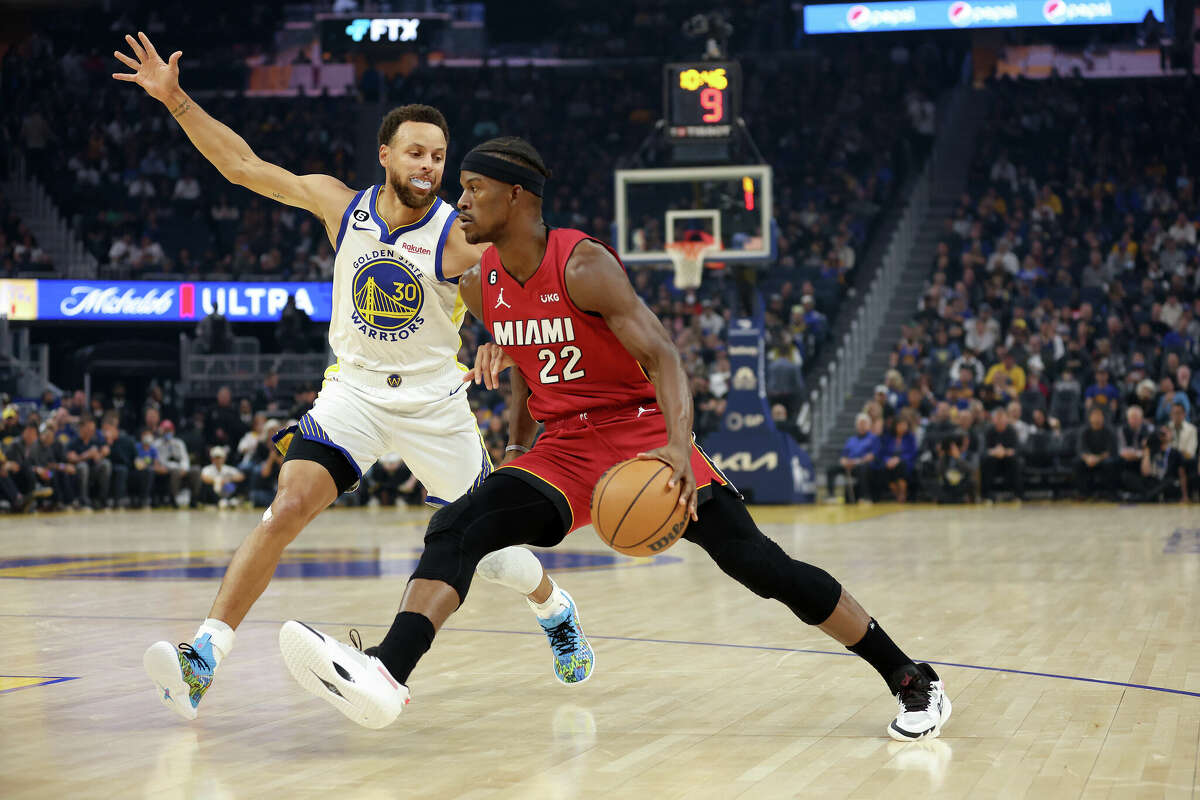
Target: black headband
{"type": "Point", "coordinates": [503, 170]}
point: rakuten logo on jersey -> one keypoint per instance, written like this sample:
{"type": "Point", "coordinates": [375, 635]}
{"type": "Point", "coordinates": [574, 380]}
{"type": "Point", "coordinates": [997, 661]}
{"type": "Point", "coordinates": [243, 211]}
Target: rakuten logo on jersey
{"type": "Point", "coordinates": [860, 18]}
{"type": "Point", "coordinates": [963, 14]}
{"type": "Point", "coordinates": [1057, 12]}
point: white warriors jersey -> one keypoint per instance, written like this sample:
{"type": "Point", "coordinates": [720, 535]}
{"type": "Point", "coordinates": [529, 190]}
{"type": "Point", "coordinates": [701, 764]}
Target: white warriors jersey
{"type": "Point", "coordinates": [393, 310]}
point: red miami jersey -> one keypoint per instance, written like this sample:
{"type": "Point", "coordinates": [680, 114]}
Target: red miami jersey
{"type": "Point", "coordinates": [571, 360]}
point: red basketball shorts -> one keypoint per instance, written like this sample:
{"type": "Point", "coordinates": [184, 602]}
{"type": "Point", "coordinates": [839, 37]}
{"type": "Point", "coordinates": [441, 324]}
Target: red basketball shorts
{"type": "Point", "coordinates": [573, 452]}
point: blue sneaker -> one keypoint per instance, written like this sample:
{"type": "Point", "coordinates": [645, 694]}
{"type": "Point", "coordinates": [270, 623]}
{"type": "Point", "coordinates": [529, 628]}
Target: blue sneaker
{"type": "Point", "coordinates": [573, 656]}
{"type": "Point", "coordinates": [182, 674]}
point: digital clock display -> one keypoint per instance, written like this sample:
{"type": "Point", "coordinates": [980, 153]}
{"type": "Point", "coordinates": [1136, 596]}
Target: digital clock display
{"type": "Point", "coordinates": [702, 99]}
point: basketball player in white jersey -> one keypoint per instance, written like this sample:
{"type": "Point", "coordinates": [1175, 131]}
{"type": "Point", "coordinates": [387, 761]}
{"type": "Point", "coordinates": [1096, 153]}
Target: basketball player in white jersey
{"type": "Point", "coordinates": [396, 387]}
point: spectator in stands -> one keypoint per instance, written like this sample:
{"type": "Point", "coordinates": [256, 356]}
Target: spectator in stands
{"type": "Point", "coordinates": [293, 332]}
{"type": "Point", "coordinates": [17, 501]}
{"type": "Point", "coordinates": [856, 462]}
{"type": "Point", "coordinates": [173, 455]}
{"type": "Point", "coordinates": [968, 360]}
{"type": "Point", "coordinates": [268, 398]}
{"type": "Point", "coordinates": [90, 456]}
{"type": "Point", "coordinates": [33, 477]}
{"type": "Point", "coordinates": [390, 480]}
{"type": "Point", "coordinates": [223, 423]}
{"type": "Point", "coordinates": [1008, 366]}
{"type": "Point", "coordinates": [1132, 438]}
{"type": "Point", "coordinates": [1167, 399]}
{"type": "Point", "coordinates": [127, 469]}
{"type": "Point", "coordinates": [785, 423]}
{"type": "Point", "coordinates": [147, 468]}
{"type": "Point", "coordinates": [264, 481]}
{"type": "Point", "coordinates": [898, 456]}
{"type": "Point", "coordinates": [1001, 459]}
{"type": "Point", "coordinates": [220, 479]}
{"type": "Point", "coordinates": [214, 335]}
{"type": "Point", "coordinates": [785, 381]}
{"type": "Point", "coordinates": [1097, 451]}
{"type": "Point", "coordinates": [1161, 470]}
{"type": "Point", "coordinates": [1183, 434]}
{"type": "Point", "coordinates": [1102, 394]}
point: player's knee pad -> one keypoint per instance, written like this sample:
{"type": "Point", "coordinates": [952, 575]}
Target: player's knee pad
{"type": "Point", "coordinates": [514, 567]}
{"type": "Point", "coordinates": [446, 557]}
{"type": "Point", "coordinates": [746, 554]}
{"type": "Point", "coordinates": [765, 569]}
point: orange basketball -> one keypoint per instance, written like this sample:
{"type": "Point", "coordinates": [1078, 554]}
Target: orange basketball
{"type": "Point", "coordinates": [634, 512]}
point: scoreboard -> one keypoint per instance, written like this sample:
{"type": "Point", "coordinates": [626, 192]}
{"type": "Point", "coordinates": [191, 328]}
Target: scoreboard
{"type": "Point", "coordinates": [702, 99]}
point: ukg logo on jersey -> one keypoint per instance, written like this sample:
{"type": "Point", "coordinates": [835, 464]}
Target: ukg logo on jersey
{"type": "Point", "coordinates": [861, 18]}
{"type": "Point", "coordinates": [963, 14]}
{"type": "Point", "coordinates": [1057, 12]}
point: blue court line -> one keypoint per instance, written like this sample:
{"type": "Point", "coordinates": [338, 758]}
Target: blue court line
{"type": "Point", "coordinates": [728, 645]}
{"type": "Point", "coordinates": [50, 680]}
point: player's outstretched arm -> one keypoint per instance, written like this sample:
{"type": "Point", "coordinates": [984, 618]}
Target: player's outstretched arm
{"type": "Point", "coordinates": [459, 255]}
{"type": "Point", "coordinates": [322, 195]}
{"type": "Point", "coordinates": [596, 282]}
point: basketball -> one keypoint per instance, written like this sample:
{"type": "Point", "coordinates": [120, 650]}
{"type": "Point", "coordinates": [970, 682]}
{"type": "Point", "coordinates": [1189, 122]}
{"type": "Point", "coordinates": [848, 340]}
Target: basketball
{"type": "Point", "coordinates": [634, 511]}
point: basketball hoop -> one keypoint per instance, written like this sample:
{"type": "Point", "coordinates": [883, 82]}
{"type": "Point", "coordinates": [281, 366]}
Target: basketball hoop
{"type": "Point", "coordinates": [688, 258]}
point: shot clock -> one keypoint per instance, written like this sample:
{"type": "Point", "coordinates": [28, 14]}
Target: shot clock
{"type": "Point", "coordinates": [703, 99]}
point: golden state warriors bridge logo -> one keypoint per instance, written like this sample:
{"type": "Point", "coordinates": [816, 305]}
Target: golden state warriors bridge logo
{"type": "Point", "coordinates": [388, 297]}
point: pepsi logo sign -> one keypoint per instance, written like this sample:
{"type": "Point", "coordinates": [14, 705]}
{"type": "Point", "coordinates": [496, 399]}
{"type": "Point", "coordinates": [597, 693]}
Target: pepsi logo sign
{"type": "Point", "coordinates": [963, 14]}
{"type": "Point", "coordinates": [858, 17]}
{"type": "Point", "coordinates": [1054, 11]}
{"type": "Point", "coordinates": [861, 17]}
{"type": "Point", "coordinates": [1057, 12]}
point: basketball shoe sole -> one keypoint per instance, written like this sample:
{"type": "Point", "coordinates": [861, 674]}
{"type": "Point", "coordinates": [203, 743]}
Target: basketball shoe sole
{"type": "Point", "coordinates": [357, 685]}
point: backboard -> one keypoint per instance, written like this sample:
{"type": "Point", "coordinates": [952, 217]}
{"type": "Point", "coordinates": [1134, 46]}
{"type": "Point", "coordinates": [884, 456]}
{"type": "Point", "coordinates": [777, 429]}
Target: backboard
{"type": "Point", "coordinates": [732, 204]}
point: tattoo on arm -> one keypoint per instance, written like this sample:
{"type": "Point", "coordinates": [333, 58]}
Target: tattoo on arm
{"type": "Point", "coordinates": [277, 195]}
{"type": "Point", "coordinates": [181, 109]}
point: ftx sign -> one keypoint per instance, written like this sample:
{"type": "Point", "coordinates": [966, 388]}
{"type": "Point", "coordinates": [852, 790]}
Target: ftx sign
{"type": "Point", "coordinates": [394, 30]}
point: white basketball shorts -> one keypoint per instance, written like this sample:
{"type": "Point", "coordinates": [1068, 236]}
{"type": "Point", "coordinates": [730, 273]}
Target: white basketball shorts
{"type": "Point", "coordinates": [423, 418]}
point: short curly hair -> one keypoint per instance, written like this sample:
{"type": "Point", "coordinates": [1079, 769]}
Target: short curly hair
{"type": "Point", "coordinates": [414, 112]}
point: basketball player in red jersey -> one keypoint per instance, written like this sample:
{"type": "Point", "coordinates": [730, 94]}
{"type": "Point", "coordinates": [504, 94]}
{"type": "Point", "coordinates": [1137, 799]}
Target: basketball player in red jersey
{"type": "Point", "coordinates": [596, 368]}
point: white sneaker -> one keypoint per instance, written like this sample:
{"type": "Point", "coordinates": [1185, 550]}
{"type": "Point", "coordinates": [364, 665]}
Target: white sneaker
{"type": "Point", "coordinates": [354, 683]}
{"type": "Point", "coordinates": [924, 706]}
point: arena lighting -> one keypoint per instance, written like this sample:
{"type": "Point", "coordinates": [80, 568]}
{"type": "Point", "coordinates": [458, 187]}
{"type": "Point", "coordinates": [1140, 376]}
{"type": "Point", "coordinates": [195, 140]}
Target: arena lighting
{"type": "Point", "coordinates": [924, 15]}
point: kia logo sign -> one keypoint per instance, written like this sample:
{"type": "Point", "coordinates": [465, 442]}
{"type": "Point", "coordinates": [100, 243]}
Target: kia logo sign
{"type": "Point", "coordinates": [858, 18]}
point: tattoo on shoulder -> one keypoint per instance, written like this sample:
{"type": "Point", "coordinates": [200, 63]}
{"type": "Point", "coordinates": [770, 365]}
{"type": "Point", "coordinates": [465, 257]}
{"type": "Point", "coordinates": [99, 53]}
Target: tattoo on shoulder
{"type": "Point", "coordinates": [181, 109]}
{"type": "Point", "coordinates": [277, 195]}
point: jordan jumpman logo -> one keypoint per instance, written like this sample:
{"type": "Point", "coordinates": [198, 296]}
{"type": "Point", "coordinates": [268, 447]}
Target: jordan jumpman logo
{"type": "Point", "coordinates": [500, 299]}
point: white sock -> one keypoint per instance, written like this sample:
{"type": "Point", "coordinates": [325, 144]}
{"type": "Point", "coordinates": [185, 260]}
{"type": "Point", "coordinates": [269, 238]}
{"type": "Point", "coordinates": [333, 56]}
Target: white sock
{"type": "Point", "coordinates": [555, 604]}
{"type": "Point", "coordinates": [221, 636]}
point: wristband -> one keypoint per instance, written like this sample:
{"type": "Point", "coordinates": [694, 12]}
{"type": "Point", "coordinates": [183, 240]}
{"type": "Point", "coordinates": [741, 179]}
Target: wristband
{"type": "Point", "coordinates": [522, 448]}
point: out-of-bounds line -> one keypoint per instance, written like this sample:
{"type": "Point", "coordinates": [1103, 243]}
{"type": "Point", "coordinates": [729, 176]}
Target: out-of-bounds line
{"type": "Point", "coordinates": [729, 645]}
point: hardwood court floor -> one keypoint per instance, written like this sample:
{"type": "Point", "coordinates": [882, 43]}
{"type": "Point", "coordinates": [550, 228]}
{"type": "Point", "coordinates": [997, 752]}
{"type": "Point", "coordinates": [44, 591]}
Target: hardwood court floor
{"type": "Point", "coordinates": [701, 689]}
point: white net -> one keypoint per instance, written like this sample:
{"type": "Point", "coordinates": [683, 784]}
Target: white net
{"type": "Point", "coordinates": [688, 258]}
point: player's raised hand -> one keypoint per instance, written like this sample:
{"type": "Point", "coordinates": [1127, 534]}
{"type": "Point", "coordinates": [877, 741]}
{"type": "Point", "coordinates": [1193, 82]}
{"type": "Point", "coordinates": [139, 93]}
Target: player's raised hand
{"type": "Point", "coordinates": [159, 78]}
{"type": "Point", "coordinates": [490, 361]}
{"type": "Point", "coordinates": [679, 459]}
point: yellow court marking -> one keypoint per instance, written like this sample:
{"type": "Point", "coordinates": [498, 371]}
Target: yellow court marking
{"type": "Point", "coordinates": [10, 683]}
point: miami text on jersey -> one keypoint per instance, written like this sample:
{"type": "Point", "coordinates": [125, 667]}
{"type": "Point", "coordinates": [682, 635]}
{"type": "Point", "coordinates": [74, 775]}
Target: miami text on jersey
{"type": "Point", "coordinates": [520, 332]}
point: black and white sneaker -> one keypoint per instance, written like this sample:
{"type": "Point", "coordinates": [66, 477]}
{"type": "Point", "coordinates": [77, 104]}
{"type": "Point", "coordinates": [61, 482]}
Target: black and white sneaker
{"type": "Point", "coordinates": [924, 706]}
{"type": "Point", "coordinates": [356, 684]}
